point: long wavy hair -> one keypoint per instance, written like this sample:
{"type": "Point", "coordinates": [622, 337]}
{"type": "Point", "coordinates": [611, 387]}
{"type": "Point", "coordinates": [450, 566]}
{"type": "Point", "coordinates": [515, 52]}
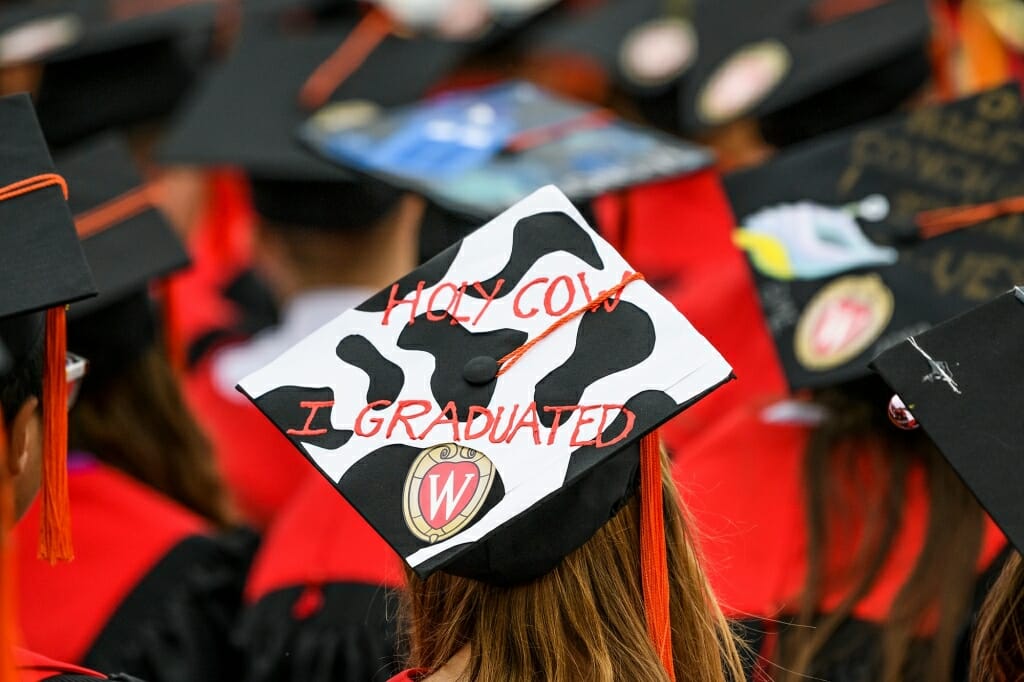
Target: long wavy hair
{"type": "Point", "coordinates": [998, 648]}
{"type": "Point", "coordinates": [857, 468]}
{"type": "Point", "coordinates": [584, 620]}
{"type": "Point", "coordinates": [137, 421]}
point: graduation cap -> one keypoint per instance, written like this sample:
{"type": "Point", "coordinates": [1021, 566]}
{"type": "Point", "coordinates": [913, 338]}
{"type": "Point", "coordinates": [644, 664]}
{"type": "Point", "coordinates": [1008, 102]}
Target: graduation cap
{"type": "Point", "coordinates": [644, 46]}
{"type": "Point", "coordinates": [106, 64]}
{"type": "Point", "coordinates": [963, 382]}
{"type": "Point", "coordinates": [860, 239]}
{"type": "Point", "coordinates": [41, 270]}
{"type": "Point", "coordinates": [486, 413]}
{"type": "Point", "coordinates": [477, 152]}
{"type": "Point", "coordinates": [128, 243]}
{"type": "Point", "coordinates": [247, 112]}
{"type": "Point", "coordinates": [804, 66]}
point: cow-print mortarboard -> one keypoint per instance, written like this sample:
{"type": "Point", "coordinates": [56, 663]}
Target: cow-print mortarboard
{"type": "Point", "coordinates": [963, 382]}
{"type": "Point", "coordinates": [477, 424]}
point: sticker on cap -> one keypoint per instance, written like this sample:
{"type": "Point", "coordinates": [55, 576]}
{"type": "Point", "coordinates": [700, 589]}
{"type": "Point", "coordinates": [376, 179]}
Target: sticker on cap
{"type": "Point", "coordinates": [351, 113]}
{"type": "Point", "coordinates": [445, 490]}
{"type": "Point", "coordinates": [659, 51]}
{"type": "Point", "coordinates": [841, 321]}
{"type": "Point", "coordinates": [39, 38]}
{"type": "Point", "coordinates": [743, 81]}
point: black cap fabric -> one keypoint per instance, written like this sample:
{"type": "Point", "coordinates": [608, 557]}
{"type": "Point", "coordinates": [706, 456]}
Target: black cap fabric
{"type": "Point", "coordinates": [107, 65]}
{"type": "Point", "coordinates": [645, 46]}
{"type": "Point", "coordinates": [755, 59]}
{"type": "Point", "coordinates": [963, 382]}
{"type": "Point", "coordinates": [248, 111]}
{"type": "Point", "coordinates": [831, 231]}
{"type": "Point", "coordinates": [494, 474]}
{"type": "Point", "coordinates": [127, 246]}
{"type": "Point", "coordinates": [128, 243]}
{"type": "Point", "coordinates": [479, 151]}
{"type": "Point", "coordinates": [41, 262]}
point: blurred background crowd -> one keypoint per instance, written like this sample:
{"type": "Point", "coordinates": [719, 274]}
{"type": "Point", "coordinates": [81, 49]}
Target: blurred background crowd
{"type": "Point", "coordinates": [808, 181]}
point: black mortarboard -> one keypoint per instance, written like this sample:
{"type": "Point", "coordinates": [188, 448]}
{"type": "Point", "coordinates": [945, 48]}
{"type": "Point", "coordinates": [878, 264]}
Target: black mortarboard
{"type": "Point", "coordinates": [846, 257]}
{"type": "Point", "coordinates": [248, 111]}
{"type": "Point", "coordinates": [470, 440]}
{"type": "Point", "coordinates": [120, 63]}
{"type": "Point", "coordinates": [479, 151]}
{"type": "Point", "coordinates": [808, 66]}
{"type": "Point", "coordinates": [43, 263]}
{"type": "Point", "coordinates": [645, 46]}
{"type": "Point", "coordinates": [41, 269]}
{"type": "Point", "coordinates": [963, 381]}
{"type": "Point", "coordinates": [128, 243]}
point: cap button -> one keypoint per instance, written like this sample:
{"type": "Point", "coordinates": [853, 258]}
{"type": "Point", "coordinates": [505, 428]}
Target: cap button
{"type": "Point", "coordinates": [480, 370]}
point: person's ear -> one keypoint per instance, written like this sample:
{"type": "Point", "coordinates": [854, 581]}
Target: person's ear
{"type": "Point", "coordinates": [24, 431]}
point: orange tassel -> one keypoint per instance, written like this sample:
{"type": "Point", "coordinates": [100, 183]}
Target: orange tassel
{"type": "Point", "coordinates": [176, 354]}
{"type": "Point", "coordinates": [653, 552]}
{"type": "Point", "coordinates": [355, 49]}
{"type": "Point", "coordinates": [7, 592]}
{"type": "Point", "coordinates": [55, 523]}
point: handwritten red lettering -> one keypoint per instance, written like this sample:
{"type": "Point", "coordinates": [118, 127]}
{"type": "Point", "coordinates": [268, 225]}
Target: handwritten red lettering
{"type": "Point", "coordinates": [550, 294]}
{"type": "Point", "coordinates": [528, 420]}
{"type": "Point", "coordinates": [582, 276]}
{"type": "Point", "coordinates": [558, 410]}
{"type": "Point", "coordinates": [394, 303]}
{"type": "Point", "coordinates": [475, 410]}
{"type": "Point", "coordinates": [516, 310]}
{"type": "Point", "coordinates": [611, 304]}
{"type": "Point", "coordinates": [401, 416]}
{"type": "Point", "coordinates": [580, 423]}
{"type": "Point", "coordinates": [453, 309]}
{"type": "Point", "coordinates": [375, 421]}
{"type": "Point", "coordinates": [437, 317]}
{"type": "Point", "coordinates": [630, 418]}
{"type": "Point", "coordinates": [313, 406]}
{"type": "Point", "coordinates": [493, 435]}
{"type": "Point", "coordinates": [488, 298]}
{"type": "Point", "coordinates": [448, 415]}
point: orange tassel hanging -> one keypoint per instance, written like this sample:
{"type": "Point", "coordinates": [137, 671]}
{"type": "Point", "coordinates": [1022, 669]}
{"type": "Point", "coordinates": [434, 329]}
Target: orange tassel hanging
{"type": "Point", "coordinates": [7, 593]}
{"type": "Point", "coordinates": [176, 353]}
{"type": "Point", "coordinates": [55, 522]}
{"type": "Point", "coordinates": [653, 552]}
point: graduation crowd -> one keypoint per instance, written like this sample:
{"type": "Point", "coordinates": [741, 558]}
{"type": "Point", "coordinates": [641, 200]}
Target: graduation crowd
{"type": "Point", "coordinates": [509, 340]}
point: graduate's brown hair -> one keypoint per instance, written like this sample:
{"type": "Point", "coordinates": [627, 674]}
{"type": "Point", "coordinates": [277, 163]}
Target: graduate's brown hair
{"type": "Point", "coordinates": [998, 648]}
{"type": "Point", "coordinates": [138, 422]}
{"type": "Point", "coordinates": [584, 620]}
{"type": "Point", "coordinates": [854, 445]}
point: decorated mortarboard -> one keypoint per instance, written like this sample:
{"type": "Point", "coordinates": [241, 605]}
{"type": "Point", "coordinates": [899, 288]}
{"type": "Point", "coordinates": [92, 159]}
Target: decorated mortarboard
{"type": "Point", "coordinates": [477, 152]}
{"type": "Point", "coordinates": [247, 111]}
{"type": "Point", "coordinates": [485, 413]}
{"type": "Point", "coordinates": [106, 64]}
{"type": "Point", "coordinates": [42, 269]}
{"type": "Point", "coordinates": [817, 64]}
{"type": "Point", "coordinates": [962, 382]}
{"type": "Point", "coordinates": [860, 239]}
{"type": "Point", "coordinates": [644, 46]}
{"type": "Point", "coordinates": [128, 243]}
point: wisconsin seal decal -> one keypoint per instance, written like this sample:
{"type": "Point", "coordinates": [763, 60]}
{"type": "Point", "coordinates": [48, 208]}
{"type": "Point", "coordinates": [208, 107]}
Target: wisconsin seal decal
{"type": "Point", "coordinates": [445, 490]}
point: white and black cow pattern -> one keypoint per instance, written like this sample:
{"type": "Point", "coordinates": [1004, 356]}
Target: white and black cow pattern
{"type": "Point", "coordinates": [643, 354]}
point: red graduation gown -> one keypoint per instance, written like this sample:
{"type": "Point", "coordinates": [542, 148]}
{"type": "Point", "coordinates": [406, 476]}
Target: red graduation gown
{"type": "Point", "coordinates": [743, 486]}
{"type": "Point", "coordinates": [33, 667]}
{"type": "Point", "coordinates": [147, 590]}
{"type": "Point", "coordinates": [320, 594]}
